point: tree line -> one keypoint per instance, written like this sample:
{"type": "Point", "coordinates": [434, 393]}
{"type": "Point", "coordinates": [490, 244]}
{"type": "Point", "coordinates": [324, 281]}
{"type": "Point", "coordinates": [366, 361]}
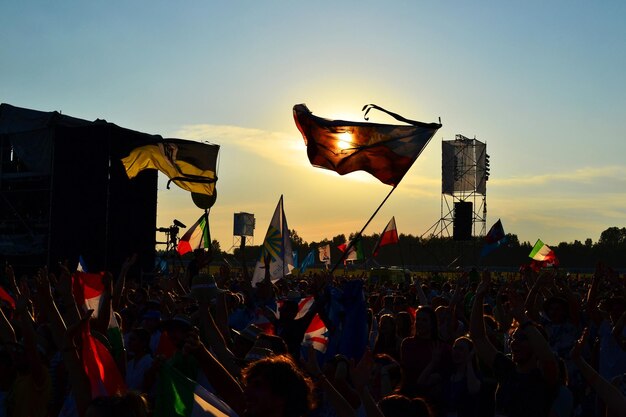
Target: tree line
{"type": "Point", "coordinates": [445, 253]}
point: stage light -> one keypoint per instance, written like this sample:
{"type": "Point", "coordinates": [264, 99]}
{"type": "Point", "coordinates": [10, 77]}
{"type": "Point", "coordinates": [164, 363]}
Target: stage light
{"type": "Point", "coordinates": [179, 224]}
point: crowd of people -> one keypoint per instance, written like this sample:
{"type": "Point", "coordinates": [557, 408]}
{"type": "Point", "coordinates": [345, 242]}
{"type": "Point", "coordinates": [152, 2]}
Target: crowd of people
{"type": "Point", "coordinates": [474, 343]}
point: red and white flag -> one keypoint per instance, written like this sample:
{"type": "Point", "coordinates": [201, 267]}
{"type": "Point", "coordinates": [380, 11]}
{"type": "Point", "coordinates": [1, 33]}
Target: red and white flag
{"type": "Point", "coordinates": [387, 237]}
{"type": "Point", "coordinates": [316, 334]}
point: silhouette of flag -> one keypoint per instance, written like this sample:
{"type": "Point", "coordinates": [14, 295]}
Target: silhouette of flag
{"type": "Point", "coordinates": [385, 151]}
{"type": "Point", "coordinates": [197, 236]}
{"type": "Point", "coordinates": [190, 165]}
{"type": "Point", "coordinates": [494, 239]}
{"type": "Point", "coordinates": [387, 237]}
{"type": "Point", "coordinates": [277, 244]}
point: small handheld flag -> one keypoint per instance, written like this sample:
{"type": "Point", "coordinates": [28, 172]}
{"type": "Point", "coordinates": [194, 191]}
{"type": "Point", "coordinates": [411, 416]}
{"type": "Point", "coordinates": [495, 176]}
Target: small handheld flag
{"type": "Point", "coordinates": [196, 237]}
{"type": "Point", "coordinates": [494, 239]}
{"type": "Point", "coordinates": [387, 237]}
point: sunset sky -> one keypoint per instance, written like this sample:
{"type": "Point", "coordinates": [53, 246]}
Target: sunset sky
{"type": "Point", "coordinates": [542, 83]}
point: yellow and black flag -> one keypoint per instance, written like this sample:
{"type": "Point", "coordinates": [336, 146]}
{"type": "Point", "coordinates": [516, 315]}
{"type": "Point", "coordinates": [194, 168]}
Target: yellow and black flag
{"type": "Point", "coordinates": [188, 164]}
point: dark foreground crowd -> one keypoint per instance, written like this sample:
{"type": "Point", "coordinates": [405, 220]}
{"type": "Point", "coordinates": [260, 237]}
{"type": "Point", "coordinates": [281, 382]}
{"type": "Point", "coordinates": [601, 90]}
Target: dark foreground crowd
{"type": "Point", "coordinates": [534, 343]}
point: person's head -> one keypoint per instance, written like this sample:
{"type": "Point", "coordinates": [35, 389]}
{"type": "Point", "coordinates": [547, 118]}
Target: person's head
{"type": "Point", "coordinates": [397, 405]}
{"type": "Point", "coordinates": [426, 323]}
{"type": "Point", "coordinates": [461, 350]}
{"type": "Point", "coordinates": [521, 350]}
{"type": "Point", "coordinates": [387, 325]}
{"type": "Point", "coordinates": [388, 302]}
{"type": "Point", "coordinates": [404, 324]}
{"type": "Point", "coordinates": [276, 386]}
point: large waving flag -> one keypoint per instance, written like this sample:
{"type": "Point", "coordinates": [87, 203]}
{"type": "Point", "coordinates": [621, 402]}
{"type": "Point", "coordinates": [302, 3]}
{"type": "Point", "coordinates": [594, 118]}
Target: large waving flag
{"type": "Point", "coordinates": [387, 237]}
{"type": "Point", "coordinates": [307, 262]}
{"type": "Point", "coordinates": [277, 244]}
{"type": "Point", "coordinates": [196, 237]}
{"type": "Point", "coordinates": [385, 151]}
{"type": "Point", "coordinates": [543, 254]}
{"type": "Point", "coordinates": [190, 165]}
{"type": "Point", "coordinates": [324, 252]}
{"type": "Point", "coordinates": [180, 396]}
{"type": "Point", "coordinates": [494, 239]}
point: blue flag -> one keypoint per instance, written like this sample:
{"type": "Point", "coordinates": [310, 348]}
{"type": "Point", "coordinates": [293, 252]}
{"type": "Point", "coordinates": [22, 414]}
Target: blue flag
{"type": "Point", "coordinates": [494, 239]}
{"type": "Point", "coordinates": [307, 262]}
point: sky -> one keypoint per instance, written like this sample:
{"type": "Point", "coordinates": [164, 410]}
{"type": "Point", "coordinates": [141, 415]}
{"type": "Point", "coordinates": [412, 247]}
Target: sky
{"type": "Point", "coordinates": [543, 84]}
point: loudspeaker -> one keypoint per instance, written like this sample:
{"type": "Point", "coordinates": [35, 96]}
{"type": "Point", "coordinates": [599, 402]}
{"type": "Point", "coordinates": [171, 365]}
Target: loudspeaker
{"type": "Point", "coordinates": [462, 227]}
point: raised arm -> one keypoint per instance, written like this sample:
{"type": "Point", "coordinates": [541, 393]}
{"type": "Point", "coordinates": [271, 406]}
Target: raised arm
{"type": "Point", "coordinates": [611, 395]}
{"type": "Point", "coordinates": [485, 350]}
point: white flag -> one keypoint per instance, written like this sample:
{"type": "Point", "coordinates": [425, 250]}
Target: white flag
{"type": "Point", "coordinates": [325, 254]}
{"type": "Point", "coordinates": [277, 244]}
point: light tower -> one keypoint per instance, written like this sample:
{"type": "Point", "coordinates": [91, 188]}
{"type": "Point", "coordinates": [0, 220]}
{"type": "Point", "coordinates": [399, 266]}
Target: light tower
{"type": "Point", "coordinates": [465, 171]}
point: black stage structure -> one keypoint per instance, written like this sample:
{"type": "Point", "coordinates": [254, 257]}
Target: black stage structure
{"type": "Point", "coordinates": [64, 193]}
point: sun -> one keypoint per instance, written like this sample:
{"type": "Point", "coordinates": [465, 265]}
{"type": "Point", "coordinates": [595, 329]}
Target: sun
{"type": "Point", "coordinates": [345, 140]}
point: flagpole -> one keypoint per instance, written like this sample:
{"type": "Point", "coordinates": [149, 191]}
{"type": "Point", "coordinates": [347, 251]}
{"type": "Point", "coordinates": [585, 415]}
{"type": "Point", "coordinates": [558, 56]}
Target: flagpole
{"type": "Point", "coordinates": [358, 235]}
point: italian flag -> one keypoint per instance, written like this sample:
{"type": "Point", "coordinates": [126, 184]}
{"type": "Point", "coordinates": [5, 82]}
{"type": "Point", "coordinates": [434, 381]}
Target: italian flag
{"type": "Point", "coordinates": [88, 289]}
{"type": "Point", "coordinates": [178, 395]}
{"type": "Point", "coordinates": [543, 253]}
{"type": "Point", "coordinates": [196, 237]}
{"type": "Point", "coordinates": [387, 237]}
{"type": "Point", "coordinates": [355, 253]}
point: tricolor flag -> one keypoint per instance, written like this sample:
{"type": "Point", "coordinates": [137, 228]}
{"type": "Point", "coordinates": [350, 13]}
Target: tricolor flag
{"type": "Point", "coordinates": [387, 237]}
{"type": "Point", "coordinates": [324, 252]}
{"type": "Point", "coordinates": [104, 377]}
{"type": "Point", "coordinates": [196, 237]}
{"type": "Point", "coordinates": [494, 239]}
{"type": "Point", "coordinates": [385, 151]}
{"type": "Point", "coordinates": [178, 395]}
{"type": "Point", "coordinates": [190, 165]}
{"type": "Point", "coordinates": [307, 262]}
{"type": "Point", "coordinates": [544, 254]}
{"type": "Point", "coordinates": [355, 253]}
{"type": "Point", "coordinates": [277, 244]}
{"type": "Point", "coordinates": [316, 334]}
{"type": "Point", "coordinates": [88, 289]}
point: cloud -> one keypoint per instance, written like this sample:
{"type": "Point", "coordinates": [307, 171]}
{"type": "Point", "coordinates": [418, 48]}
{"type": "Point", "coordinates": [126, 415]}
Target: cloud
{"type": "Point", "coordinates": [278, 147]}
{"type": "Point", "coordinates": [586, 175]}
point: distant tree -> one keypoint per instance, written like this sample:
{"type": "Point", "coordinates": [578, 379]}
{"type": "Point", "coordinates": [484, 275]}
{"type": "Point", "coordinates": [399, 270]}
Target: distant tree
{"type": "Point", "coordinates": [613, 236]}
{"type": "Point", "coordinates": [216, 246]}
{"type": "Point", "coordinates": [296, 240]}
{"type": "Point", "coordinates": [588, 243]}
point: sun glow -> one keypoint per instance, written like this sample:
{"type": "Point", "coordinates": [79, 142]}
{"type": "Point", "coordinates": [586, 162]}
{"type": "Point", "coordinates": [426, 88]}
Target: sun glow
{"type": "Point", "coordinates": [345, 140]}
